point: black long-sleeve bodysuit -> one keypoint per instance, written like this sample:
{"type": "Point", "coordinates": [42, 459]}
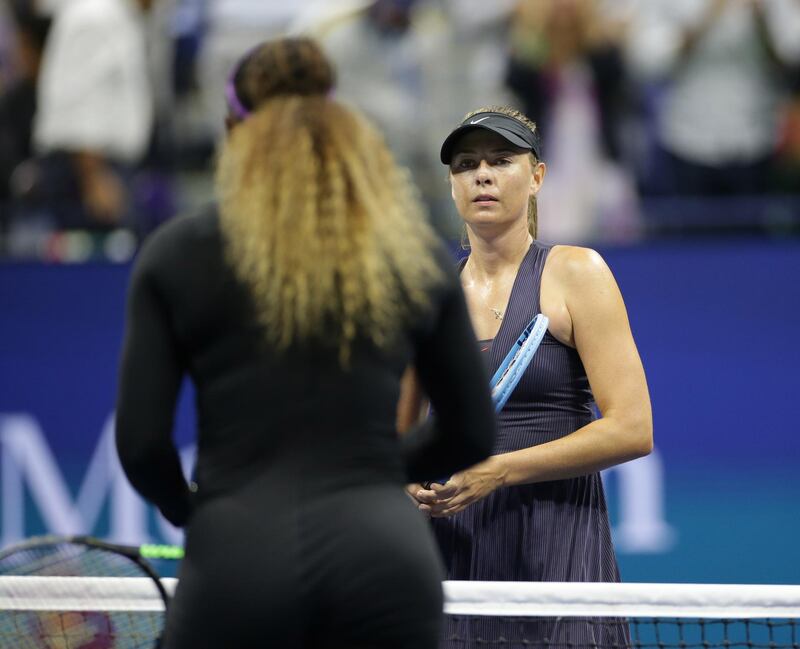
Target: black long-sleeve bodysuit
{"type": "Point", "coordinates": [299, 533]}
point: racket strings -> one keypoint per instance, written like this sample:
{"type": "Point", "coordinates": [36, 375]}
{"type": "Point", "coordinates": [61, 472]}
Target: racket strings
{"type": "Point", "coordinates": [41, 561]}
{"type": "Point", "coordinates": [99, 623]}
{"type": "Point", "coordinates": [65, 560]}
{"type": "Point", "coordinates": [512, 364]}
{"type": "Point", "coordinates": [517, 360]}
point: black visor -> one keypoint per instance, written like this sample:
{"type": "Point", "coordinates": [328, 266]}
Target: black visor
{"type": "Point", "coordinates": [506, 127]}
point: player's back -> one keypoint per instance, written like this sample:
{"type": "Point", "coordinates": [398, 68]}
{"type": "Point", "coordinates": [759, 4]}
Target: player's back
{"type": "Point", "coordinates": [297, 410]}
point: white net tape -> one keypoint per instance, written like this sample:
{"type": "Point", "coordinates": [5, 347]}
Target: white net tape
{"type": "Point", "coordinates": [81, 594]}
{"type": "Point", "coordinates": [631, 600]}
{"type": "Point", "coordinates": [461, 598]}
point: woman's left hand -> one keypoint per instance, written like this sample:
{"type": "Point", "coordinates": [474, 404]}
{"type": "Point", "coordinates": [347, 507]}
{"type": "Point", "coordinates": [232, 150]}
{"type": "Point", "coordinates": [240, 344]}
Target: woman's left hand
{"type": "Point", "coordinates": [461, 490]}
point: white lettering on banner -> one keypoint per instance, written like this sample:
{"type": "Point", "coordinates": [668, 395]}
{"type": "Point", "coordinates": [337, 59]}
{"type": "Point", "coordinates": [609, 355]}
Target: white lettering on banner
{"type": "Point", "coordinates": [27, 460]}
{"type": "Point", "coordinates": [642, 528]}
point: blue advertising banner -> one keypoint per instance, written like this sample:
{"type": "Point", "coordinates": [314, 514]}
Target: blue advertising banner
{"type": "Point", "coordinates": [717, 326]}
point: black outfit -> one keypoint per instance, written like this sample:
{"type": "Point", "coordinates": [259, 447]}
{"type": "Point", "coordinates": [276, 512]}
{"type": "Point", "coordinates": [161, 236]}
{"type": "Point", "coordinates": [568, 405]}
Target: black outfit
{"type": "Point", "coordinates": [299, 533]}
{"type": "Point", "coordinates": [548, 531]}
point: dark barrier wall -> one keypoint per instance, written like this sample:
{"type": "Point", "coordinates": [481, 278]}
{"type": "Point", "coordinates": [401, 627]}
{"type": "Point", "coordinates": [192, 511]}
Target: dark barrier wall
{"type": "Point", "coordinates": [718, 326]}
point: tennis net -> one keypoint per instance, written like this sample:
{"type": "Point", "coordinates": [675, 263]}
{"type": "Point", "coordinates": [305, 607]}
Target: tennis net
{"type": "Point", "coordinates": [551, 615]}
{"type": "Point", "coordinates": [80, 612]}
{"type": "Point", "coordinates": [126, 612]}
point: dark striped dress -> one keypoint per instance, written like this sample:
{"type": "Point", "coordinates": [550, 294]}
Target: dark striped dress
{"type": "Point", "coordinates": [548, 531]}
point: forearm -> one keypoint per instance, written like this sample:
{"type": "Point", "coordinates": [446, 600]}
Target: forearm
{"type": "Point", "coordinates": [102, 191]}
{"type": "Point", "coordinates": [90, 166]}
{"type": "Point", "coordinates": [412, 405]}
{"type": "Point", "coordinates": [599, 445]}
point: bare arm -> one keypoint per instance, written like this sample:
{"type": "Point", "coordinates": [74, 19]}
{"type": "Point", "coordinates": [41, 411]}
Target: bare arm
{"type": "Point", "coordinates": [412, 402]}
{"type": "Point", "coordinates": [603, 339]}
{"type": "Point", "coordinates": [102, 191]}
{"type": "Point", "coordinates": [605, 344]}
{"type": "Point", "coordinates": [410, 411]}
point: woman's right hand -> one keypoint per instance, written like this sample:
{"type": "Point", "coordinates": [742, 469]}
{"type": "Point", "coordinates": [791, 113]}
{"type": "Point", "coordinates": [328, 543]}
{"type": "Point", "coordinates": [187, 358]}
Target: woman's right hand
{"type": "Point", "coordinates": [413, 490]}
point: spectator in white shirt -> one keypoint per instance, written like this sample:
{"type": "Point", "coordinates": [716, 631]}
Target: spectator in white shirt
{"type": "Point", "coordinates": [723, 64]}
{"type": "Point", "coordinates": [95, 103]}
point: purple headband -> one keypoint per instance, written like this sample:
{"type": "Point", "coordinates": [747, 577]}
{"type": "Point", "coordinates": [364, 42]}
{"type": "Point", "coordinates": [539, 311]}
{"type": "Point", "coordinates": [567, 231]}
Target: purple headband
{"type": "Point", "coordinates": [234, 103]}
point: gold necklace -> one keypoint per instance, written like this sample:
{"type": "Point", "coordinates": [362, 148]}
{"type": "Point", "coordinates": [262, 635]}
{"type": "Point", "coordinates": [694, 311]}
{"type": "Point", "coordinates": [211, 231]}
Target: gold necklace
{"type": "Point", "coordinates": [498, 313]}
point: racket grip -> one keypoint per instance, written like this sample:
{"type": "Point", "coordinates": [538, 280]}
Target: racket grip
{"type": "Point", "coordinates": [427, 484]}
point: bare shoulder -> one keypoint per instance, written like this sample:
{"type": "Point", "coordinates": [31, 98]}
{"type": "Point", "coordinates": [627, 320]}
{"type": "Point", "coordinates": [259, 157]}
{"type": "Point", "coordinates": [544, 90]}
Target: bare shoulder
{"type": "Point", "coordinates": [571, 276]}
{"type": "Point", "coordinates": [578, 268]}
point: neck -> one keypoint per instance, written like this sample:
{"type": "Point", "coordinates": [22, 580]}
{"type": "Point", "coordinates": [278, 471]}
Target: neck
{"type": "Point", "coordinates": [495, 255]}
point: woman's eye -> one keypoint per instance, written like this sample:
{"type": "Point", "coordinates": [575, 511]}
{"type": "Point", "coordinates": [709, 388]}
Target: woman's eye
{"type": "Point", "coordinates": [465, 164]}
{"type": "Point", "coordinates": [502, 161]}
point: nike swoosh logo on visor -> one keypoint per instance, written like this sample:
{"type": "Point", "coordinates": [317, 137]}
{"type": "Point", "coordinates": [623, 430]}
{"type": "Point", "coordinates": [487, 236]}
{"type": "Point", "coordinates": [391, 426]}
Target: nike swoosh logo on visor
{"type": "Point", "coordinates": [477, 121]}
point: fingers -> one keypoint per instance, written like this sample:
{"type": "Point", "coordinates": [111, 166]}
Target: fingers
{"type": "Point", "coordinates": [451, 506]}
{"type": "Point", "coordinates": [447, 490]}
{"type": "Point", "coordinates": [425, 496]}
{"type": "Point", "coordinates": [421, 497]}
{"type": "Point", "coordinates": [411, 490]}
{"type": "Point", "coordinates": [440, 500]}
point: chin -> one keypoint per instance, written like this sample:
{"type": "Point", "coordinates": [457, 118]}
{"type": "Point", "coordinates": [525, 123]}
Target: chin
{"type": "Point", "coordinates": [486, 223]}
{"type": "Point", "coordinates": [488, 215]}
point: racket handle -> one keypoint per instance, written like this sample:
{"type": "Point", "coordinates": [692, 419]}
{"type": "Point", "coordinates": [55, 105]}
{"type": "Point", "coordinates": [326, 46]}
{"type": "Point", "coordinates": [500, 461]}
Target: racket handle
{"type": "Point", "coordinates": [427, 484]}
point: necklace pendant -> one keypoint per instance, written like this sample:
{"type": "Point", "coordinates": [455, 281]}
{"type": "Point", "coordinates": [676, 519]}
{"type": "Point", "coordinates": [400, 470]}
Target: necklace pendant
{"type": "Point", "coordinates": [498, 314]}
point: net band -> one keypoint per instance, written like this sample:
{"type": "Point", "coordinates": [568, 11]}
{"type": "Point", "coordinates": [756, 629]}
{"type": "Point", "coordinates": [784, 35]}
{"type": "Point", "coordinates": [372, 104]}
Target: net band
{"type": "Point", "coordinates": [485, 598]}
{"type": "Point", "coordinates": [523, 599]}
{"type": "Point", "coordinates": [82, 594]}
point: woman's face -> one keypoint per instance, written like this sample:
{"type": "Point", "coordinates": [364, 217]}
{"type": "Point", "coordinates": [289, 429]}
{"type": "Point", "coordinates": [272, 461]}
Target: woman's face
{"type": "Point", "coordinates": [491, 180]}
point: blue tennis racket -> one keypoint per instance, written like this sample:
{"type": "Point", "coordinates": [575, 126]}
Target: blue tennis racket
{"type": "Point", "coordinates": [512, 368]}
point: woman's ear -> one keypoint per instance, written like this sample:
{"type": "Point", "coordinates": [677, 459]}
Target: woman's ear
{"type": "Point", "coordinates": [537, 176]}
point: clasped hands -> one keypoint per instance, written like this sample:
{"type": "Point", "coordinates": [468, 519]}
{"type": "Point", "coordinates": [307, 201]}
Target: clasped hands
{"type": "Point", "coordinates": [458, 493]}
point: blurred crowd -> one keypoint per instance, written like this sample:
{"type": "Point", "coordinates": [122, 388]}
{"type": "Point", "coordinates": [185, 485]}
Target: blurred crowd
{"type": "Point", "coordinates": [657, 116]}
